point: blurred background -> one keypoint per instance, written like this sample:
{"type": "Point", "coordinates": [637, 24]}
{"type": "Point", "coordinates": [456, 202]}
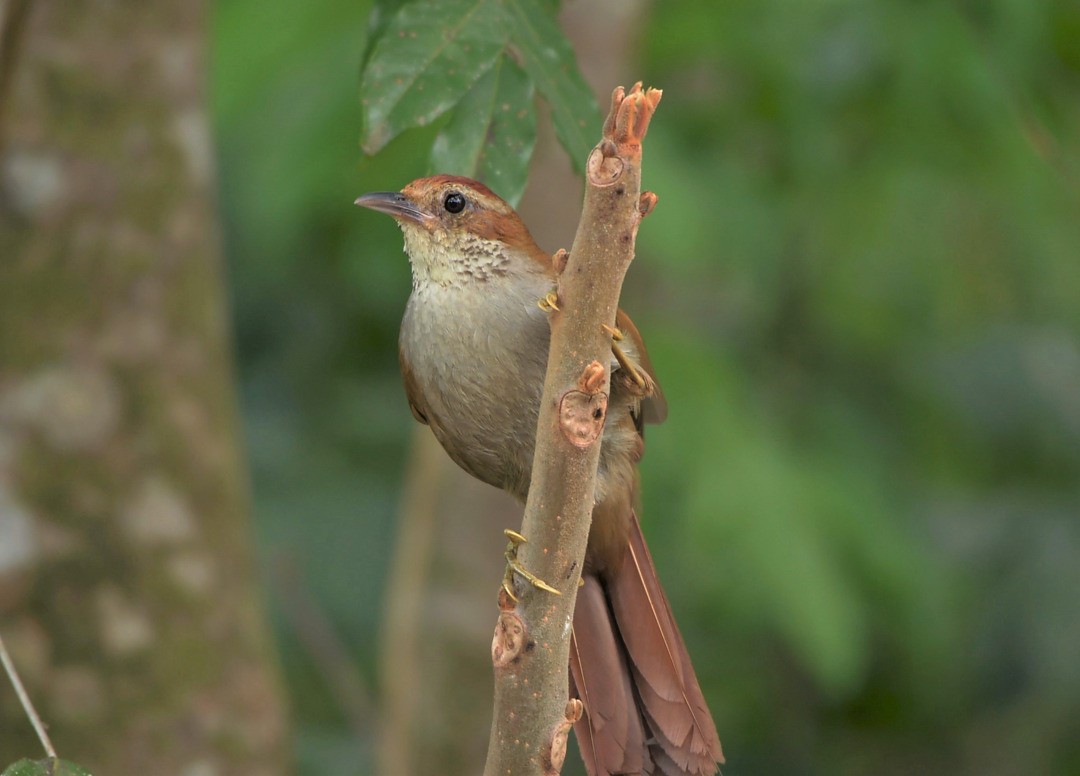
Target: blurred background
{"type": "Point", "coordinates": [861, 293]}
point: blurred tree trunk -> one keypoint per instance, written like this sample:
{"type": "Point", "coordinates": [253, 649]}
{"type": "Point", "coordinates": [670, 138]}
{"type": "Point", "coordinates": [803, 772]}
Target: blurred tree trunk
{"type": "Point", "coordinates": [127, 594]}
{"type": "Point", "coordinates": [435, 715]}
{"type": "Point", "coordinates": [441, 602]}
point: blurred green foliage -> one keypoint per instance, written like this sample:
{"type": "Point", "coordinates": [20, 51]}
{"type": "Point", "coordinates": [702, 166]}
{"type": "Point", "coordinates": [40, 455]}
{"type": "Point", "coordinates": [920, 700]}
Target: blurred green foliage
{"type": "Point", "coordinates": [44, 768]}
{"type": "Point", "coordinates": [861, 291]}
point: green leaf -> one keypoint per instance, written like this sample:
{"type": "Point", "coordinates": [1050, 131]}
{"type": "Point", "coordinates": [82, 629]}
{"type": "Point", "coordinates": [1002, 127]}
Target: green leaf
{"type": "Point", "coordinates": [382, 13]}
{"type": "Point", "coordinates": [549, 60]}
{"type": "Point", "coordinates": [492, 133]}
{"type": "Point", "coordinates": [48, 767]}
{"type": "Point", "coordinates": [432, 52]}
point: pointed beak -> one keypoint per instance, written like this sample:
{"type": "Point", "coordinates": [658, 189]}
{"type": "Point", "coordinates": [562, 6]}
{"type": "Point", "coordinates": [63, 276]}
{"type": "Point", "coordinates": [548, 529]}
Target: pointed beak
{"type": "Point", "coordinates": [395, 204]}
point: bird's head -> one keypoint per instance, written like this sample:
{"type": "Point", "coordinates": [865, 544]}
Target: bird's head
{"type": "Point", "coordinates": [456, 228]}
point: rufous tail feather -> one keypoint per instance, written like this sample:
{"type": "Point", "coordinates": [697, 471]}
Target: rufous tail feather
{"type": "Point", "coordinates": [644, 710]}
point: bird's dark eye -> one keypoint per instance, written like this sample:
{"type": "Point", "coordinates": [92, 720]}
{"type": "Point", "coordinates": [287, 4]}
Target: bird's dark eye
{"type": "Point", "coordinates": [454, 202]}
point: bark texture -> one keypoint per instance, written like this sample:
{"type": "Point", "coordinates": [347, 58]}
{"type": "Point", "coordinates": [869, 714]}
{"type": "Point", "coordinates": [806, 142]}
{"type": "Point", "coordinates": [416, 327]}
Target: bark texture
{"type": "Point", "coordinates": [127, 595]}
{"type": "Point", "coordinates": [530, 651]}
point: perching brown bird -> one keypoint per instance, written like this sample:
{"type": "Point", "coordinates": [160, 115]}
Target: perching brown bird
{"type": "Point", "coordinates": [473, 351]}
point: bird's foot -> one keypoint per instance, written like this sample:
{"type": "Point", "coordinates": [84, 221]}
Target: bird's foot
{"type": "Point", "coordinates": [625, 362]}
{"type": "Point", "coordinates": [549, 303]}
{"type": "Point", "coordinates": [513, 567]}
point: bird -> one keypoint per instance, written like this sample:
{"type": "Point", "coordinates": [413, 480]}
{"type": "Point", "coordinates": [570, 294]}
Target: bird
{"type": "Point", "coordinates": [473, 353]}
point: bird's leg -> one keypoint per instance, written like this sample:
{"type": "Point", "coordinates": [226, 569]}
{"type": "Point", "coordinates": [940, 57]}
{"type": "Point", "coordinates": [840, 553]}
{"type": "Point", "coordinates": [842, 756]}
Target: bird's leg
{"type": "Point", "coordinates": [512, 567]}
{"type": "Point", "coordinates": [625, 362]}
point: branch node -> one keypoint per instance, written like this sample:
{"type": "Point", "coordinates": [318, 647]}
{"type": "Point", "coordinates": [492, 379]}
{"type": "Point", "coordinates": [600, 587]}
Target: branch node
{"type": "Point", "coordinates": [646, 203]}
{"type": "Point", "coordinates": [592, 378]}
{"type": "Point", "coordinates": [507, 601]}
{"type": "Point", "coordinates": [629, 117]}
{"type": "Point", "coordinates": [509, 639]}
{"type": "Point", "coordinates": [559, 260]}
{"type": "Point", "coordinates": [625, 127]}
{"type": "Point", "coordinates": [555, 755]}
{"type": "Point", "coordinates": [604, 166]}
{"type": "Point", "coordinates": [618, 94]}
{"type": "Point", "coordinates": [574, 709]}
{"type": "Point", "coordinates": [582, 411]}
{"type": "Point", "coordinates": [581, 417]}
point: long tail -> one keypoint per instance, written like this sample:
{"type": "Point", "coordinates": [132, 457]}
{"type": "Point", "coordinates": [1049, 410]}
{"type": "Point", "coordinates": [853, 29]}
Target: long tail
{"type": "Point", "coordinates": [644, 711]}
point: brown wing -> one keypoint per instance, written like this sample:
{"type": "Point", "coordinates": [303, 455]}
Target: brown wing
{"type": "Point", "coordinates": [653, 406]}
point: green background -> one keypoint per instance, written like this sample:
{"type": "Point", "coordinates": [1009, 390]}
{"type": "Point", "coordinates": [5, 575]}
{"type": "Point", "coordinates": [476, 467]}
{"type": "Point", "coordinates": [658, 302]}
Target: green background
{"type": "Point", "coordinates": [861, 292]}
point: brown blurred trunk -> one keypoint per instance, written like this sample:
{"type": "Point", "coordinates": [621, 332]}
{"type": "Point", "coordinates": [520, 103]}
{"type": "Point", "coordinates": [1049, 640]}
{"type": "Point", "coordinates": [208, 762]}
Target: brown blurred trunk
{"type": "Point", "coordinates": [435, 713]}
{"type": "Point", "coordinates": [126, 579]}
{"type": "Point", "coordinates": [436, 659]}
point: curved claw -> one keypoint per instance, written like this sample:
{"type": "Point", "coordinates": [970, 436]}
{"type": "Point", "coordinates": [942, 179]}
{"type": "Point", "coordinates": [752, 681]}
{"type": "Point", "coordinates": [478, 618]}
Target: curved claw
{"type": "Point", "coordinates": [508, 588]}
{"type": "Point", "coordinates": [512, 567]}
{"type": "Point", "coordinates": [624, 361]}
{"type": "Point", "coordinates": [548, 303]}
{"type": "Point", "coordinates": [616, 334]}
{"type": "Point", "coordinates": [536, 581]}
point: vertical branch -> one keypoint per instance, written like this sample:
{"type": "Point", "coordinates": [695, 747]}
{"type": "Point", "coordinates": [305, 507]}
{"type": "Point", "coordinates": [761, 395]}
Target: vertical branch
{"type": "Point", "coordinates": [530, 651]}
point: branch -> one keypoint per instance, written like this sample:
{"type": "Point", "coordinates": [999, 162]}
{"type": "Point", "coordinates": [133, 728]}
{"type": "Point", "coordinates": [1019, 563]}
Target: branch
{"type": "Point", "coordinates": [530, 651]}
{"type": "Point", "coordinates": [24, 699]}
